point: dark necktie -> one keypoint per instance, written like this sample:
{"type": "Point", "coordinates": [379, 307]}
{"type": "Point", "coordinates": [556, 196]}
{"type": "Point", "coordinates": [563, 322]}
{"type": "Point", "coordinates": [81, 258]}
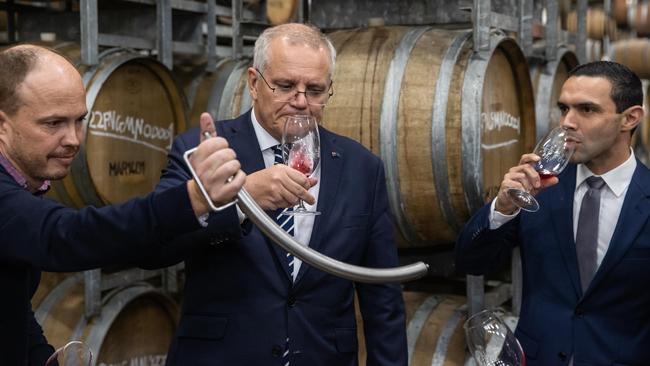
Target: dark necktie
{"type": "Point", "coordinates": [286, 223]}
{"type": "Point", "coordinates": [587, 232]}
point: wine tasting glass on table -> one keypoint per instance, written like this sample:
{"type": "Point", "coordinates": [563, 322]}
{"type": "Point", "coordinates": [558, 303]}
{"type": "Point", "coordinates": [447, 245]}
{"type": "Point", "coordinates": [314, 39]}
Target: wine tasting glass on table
{"type": "Point", "coordinates": [491, 342]}
{"type": "Point", "coordinates": [74, 353]}
{"type": "Point", "coordinates": [554, 153]}
{"type": "Point", "coordinates": [301, 151]}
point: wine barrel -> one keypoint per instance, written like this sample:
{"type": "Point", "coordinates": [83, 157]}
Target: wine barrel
{"type": "Point", "coordinates": [281, 11]}
{"type": "Point", "coordinates": [598, 24]}
{"type": "Point", "coordinates": [548, 79]}
{"type": "Point", "coordinates": [594, 49]}
{"type": "Point", "coordinates": [434, 330]}
{"type": "Point", "coordinates": [642, 19]}
{"type": "Point", "coordinates": [111, 335]}
{"type": "Point", "coordinates": [448, 123]}
{"type": "Point", "coordinates": [634, 53]}
{"type": "Point", "coordinates": [222, 93]}
{"type": "Point", "coordinates": [624, 12]}
{"type": "Point", "coordinates": [135, 109]}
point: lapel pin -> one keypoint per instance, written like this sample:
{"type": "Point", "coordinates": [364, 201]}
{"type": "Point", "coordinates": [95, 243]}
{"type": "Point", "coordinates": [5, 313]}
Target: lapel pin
{"type": "Point", "coordinates": [335, 154]}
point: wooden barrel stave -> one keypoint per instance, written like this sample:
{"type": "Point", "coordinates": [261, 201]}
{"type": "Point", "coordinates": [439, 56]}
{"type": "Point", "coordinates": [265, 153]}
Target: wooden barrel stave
{"type": "Point", "coordinates": [548, 79]}
{"type": "Point", "coordinates": [434, 330]}
{"type": "Point", "coordinates": [634, 53]}
{"type": "Point", "coordinates": [135, 109]}
{"type": "Point", "coordinates": [110, 335]}
{"type": "Point", "coordinates": [428, 213]}
{"type": "Point", "coordinates": [222, 93]}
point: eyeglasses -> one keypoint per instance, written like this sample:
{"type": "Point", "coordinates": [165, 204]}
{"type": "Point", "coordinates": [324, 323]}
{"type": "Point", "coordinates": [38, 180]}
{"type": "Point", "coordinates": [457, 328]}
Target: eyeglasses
{"type": "Point", "coordinates": [288, 93]}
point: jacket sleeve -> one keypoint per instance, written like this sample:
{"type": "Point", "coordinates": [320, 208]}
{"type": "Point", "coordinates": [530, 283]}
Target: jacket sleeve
{"type": "Point", "coordinates": [222, 226]}
{"type": "Point", "coordinates": [39, 349]}
{"type": "Point", "coordinates": [382, 305]}
{"type": "Point", "coordinates": [480, 250]}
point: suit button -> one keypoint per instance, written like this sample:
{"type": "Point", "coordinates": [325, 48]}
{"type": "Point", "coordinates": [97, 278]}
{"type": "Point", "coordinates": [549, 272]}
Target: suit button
{"type": "Point", "coordinates": [291, 301]}
{"type": "Point", "coordinates": [579, 312]}
{"type": "Point", "coordinates": [276, 351]}
{"type": "Point", "coordinates": [562, 356]}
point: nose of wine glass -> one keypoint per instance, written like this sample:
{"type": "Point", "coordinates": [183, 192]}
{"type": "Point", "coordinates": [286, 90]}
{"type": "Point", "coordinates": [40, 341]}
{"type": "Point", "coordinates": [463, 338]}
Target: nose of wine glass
{"type": "Point", "coordinates": [74, 353]}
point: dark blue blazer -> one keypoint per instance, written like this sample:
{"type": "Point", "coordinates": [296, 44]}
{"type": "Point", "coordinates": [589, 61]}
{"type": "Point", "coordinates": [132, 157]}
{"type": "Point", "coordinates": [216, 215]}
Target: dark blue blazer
{"type": "Point", "coordinates": [608, 324]}
{"type": "Point", "coordinates": [37, 233]}
{"type": "Point", "coordinates": [240, 305]}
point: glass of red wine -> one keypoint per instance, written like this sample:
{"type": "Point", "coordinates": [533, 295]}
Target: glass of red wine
{"type": "Point", "coordinates": [555, 154]}
{"type": "Point", "coordinates": [74, 353]}
{"type": "Point", "coordinates": [301, 151]}
{"type": "Point", "coordinates": [490, 340]}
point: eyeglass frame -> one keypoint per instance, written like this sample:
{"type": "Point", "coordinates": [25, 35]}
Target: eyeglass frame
{"type": "Point", "coordinates": [329, 93]}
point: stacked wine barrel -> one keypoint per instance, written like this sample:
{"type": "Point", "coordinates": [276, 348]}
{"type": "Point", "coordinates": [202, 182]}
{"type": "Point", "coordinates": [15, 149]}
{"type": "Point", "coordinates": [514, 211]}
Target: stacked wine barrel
{"type": "Point", "coordinates": [135, 110]}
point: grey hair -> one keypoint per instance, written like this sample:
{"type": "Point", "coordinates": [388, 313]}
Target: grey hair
{"type": "Point", "coordinates": [295, 33]}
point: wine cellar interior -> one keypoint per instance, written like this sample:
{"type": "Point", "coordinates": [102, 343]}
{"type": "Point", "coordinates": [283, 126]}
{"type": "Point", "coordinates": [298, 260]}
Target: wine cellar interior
{"type": "Point", "coordinates": [164, 62]}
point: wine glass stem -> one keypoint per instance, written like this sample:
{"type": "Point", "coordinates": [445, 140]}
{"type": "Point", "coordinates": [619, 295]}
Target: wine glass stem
{"type": "Point", "coordinates": [301, 206]}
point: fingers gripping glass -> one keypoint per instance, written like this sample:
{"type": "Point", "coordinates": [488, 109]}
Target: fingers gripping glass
{"type": "Point", "coordinates": [491, 342]}
{"type": "Point", "coordinates": [301, 151]}
{"type": "Point", "coordinates": [74, 353]}
{"type": "Point", "coordinates": [289, 93]}
{"type": "Point", "coordinates": [555, 154]}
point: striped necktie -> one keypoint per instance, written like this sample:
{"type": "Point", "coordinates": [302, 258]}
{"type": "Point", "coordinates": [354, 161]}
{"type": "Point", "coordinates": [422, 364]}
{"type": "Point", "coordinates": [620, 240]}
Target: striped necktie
{"type": "Point", "coordinates": [287, 224]}
{"type": "Point", "coordinates": [285, 221]}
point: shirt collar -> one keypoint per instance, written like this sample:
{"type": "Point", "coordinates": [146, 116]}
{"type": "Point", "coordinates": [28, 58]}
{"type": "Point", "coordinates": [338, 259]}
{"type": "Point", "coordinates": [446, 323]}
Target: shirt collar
{"type": "Point", "coordinates": [19, 178]}
{"type": "Point", "coordinates": [264, 138]}
{"type": "Point", "coordinates": [616, 179]}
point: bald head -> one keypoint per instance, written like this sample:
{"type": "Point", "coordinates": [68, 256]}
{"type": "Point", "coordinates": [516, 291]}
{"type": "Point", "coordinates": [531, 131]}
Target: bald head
{"type": "Point", "coordinates": [21, 61]}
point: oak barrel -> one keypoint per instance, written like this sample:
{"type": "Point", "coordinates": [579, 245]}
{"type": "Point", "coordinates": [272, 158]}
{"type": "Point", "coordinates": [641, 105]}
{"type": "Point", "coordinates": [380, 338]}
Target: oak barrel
{"type": "Point", "coordinates": [135, 327]}
{"type": "Point", "coordinates": [223, 93]}
{"type": "Point", "coordinates": [598, 24]}
{"type": "Point", "coordinates": [447, 123]}
{"type": "Point", "coordinates": [634, 53]}
{"type": "Point", "coordinates": [548, 78]}
{"type": "Point", "coordinates": [135, 109]}
{"type": "Point", "coordinates": [281, 11]}
{"type": "Point", "coordinates": [641, 17]}
{"type": "Point", "coordinates": [434, 330]}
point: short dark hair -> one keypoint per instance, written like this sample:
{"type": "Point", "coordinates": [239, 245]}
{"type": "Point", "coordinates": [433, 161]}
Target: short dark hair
{"type": "Point", "coordinates": [627, 90]}
{"type": "Point", "coordinates": [16, 63]}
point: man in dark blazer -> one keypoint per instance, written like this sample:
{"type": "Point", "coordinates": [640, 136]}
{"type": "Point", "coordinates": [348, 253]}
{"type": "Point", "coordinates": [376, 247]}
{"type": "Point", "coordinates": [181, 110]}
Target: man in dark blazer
{"type": "Point", "coordinates": [241, 304]}
{"type": "Point", "coordinates": [42, 108]}
{"type": "Point", "coordinates": [586, 252]}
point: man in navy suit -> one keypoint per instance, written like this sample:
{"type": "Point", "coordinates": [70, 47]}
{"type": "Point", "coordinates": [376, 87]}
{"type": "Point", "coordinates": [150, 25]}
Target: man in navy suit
{"type": "Point", "coordinates": [242, 305]}
{"type": "Point", "coordinates": [42, 108]}
{"type": "Point", "coordinates": [586, 252]}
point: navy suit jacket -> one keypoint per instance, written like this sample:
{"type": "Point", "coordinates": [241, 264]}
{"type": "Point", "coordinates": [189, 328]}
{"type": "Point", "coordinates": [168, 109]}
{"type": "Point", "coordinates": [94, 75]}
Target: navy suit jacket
{"type": "Point", "coordinates": [239, 303]}
{"type": "Point", "coordinates": [608, 324]}
{"type": "Point", "coordinates": [37, 233]}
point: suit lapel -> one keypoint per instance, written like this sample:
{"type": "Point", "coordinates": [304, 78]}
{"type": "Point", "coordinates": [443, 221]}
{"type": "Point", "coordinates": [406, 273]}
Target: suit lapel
{"type": "Point", "coordinates": [332, 160]}
{"type": "Point", "coordinates": [241, 137]}
{"type": "Point", "coordinates": [562, 217]}
{"type": "Point", "coordinates": [633, 216]}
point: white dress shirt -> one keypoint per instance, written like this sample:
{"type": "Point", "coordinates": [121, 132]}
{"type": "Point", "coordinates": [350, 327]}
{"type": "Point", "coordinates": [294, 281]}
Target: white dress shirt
{"type": "Point", "coordinates": [612, 196]}
{"type": "Point", "coordinates": [303, 224]}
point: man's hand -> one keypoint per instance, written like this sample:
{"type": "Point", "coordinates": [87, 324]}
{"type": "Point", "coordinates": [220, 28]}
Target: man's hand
{"type": "Point", "coordinates": [214, 162]}
{"type": "Point", "coordinates": [522, 176]}
{"type": "Point", "coordinates": [279, 186]}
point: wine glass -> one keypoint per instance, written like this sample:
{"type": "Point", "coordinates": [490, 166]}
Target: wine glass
{"type": "Point", "coordinates": [74, 353]}
{"type": "Point", "coordinates": [555, 154]}
{"type": "Point", "coordinates": [491, 342]}
{"type": "Point", "coordinates": [301, 151]}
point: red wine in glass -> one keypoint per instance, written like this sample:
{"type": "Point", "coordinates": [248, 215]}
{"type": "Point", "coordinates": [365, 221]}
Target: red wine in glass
{"type": "Point", "coordinates": [545, 174]}
{"type": "Point", "coordinates": [301, 151]}
{"type": "Point", "coordinates": [554, 153]}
